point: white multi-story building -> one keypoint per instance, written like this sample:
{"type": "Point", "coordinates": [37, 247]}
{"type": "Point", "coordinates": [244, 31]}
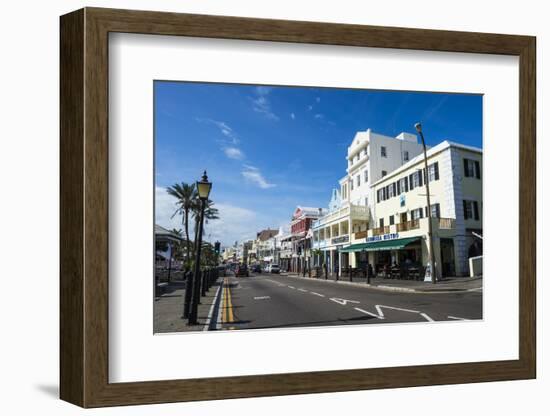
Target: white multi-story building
{"type": "Point", "coordinates": [398, 230]}
{"type": "Point", "coordinates": [370, 157]}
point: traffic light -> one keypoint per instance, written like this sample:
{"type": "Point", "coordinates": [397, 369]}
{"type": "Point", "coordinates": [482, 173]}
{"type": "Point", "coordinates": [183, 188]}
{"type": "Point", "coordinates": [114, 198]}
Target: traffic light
{"type": "Point", "coordinates": [217, 247]}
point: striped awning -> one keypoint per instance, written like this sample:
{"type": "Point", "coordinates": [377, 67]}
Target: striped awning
{"type": "Point", "coordinates": [396, 244]}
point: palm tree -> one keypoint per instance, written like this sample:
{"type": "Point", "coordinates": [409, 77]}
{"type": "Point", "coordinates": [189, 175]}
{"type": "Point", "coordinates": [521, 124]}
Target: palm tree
{"type": "Point", "coordinates": [186, 196]}
{"type": "Point", "coordinates": [210, 213]}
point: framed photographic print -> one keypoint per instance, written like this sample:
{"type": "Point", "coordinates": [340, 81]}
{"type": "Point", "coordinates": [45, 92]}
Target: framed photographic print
{"type": "Point", "coordinates": [255, 207]}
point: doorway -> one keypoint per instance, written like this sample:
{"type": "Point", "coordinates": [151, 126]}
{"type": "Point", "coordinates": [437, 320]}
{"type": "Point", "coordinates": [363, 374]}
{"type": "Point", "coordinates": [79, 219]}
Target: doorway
{"type": "Point", "coordinates": [447, 257]}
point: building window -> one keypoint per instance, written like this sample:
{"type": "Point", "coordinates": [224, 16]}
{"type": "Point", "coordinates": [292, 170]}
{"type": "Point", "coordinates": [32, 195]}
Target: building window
{"type": "Point", "coordinates": [416, 214]}
{"type": "Point", "coordinates": [381, 222]}
{"type": "Point", "coordinates": [403, 185]}
{"type": "Point", "coordinates": [351, 185]}
{"type": "Point", "coordinates": [406, 155]}
{"type": "Point", "coordinates": [390, 190]}
{"type": "Point", "coordinates": [366, 176]}
{"type": "Point", "coordinates": [433, 171]}
{"type": "Point", "coordinates": [357, 157]}
{"type": "Point", "coordinates": [358, 180]}
{"type": "Point", "coordinates": [472, 169]}
{"type": "Point", "coordinates": [383, 151]}
{"type": "Point", "coordinates": [384, 173]}
{"type": "Point", "coordinates": [365, 151]}
{"type": "Point", "coordinates": [391, 220]}
{"type": "Point", "coordinates": [417, 178]}
{"type": "Point", "coordinates": [470, 210]}
{"type": "Point", "coordinates": [366, 201]}
{"type": "Point", "coordinates": [436, 213]}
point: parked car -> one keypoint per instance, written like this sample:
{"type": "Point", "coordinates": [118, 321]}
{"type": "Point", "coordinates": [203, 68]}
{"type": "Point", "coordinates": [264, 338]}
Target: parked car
{"type": "Point", "coordinates": [274, 268]}
{"type": "Point", "coordinates": [256, 268]}
{"type": "Point", "coordinates": [242, 271]}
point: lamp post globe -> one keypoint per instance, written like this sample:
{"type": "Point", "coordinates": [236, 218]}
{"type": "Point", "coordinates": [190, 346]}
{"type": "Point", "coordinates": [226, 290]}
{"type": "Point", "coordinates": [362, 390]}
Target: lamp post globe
{"type": "Point", "coordinates": [204, 187]}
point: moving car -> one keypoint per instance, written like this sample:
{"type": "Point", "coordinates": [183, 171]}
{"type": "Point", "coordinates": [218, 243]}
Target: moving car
{"type": "Point", "coordinates": [241, 271]}
{"type": "Point", "coordinates": [274, 268]}
{"type": "Point", "coordinates": [256, 268]}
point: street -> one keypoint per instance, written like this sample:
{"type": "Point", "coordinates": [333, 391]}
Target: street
{"type": "Point", "coordinates": [280, 301]}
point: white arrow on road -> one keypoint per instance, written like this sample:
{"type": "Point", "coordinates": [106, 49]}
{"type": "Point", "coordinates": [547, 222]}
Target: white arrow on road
{"type": "Point", "coordinates": [343, 301]}
{"type": "Point", "coordinates": [380, 314]}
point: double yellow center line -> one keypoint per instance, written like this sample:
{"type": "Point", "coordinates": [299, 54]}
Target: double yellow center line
{"type": "Point", "coordinates": [227, 305]}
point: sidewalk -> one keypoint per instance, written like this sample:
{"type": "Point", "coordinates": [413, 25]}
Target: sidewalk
{"type": "Point", "coordinates": [168, 309]}
{"type": "Point", "coordinates": [451, 284]}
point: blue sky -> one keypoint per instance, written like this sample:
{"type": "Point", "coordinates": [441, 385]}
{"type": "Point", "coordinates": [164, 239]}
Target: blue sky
{"type": "Point", "coordinates": [269, 149]}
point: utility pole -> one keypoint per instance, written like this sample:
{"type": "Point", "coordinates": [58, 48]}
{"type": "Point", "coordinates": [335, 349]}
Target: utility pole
{"type": "Point", "coordinates": [418, 128]}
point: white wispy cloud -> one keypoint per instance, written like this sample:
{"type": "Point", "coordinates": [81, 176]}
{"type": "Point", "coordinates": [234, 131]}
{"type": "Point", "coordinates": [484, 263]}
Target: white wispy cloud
{"type": "Point", "coordinates": [261, 103]}
{"type": "Point", "coordinates": [309, 107]}
{"type": "Point", "coordinates": [253, 175]}
{"type": "Point", "coordinates": [318, 99]}
{"type": "Point", "coordinates": [223, 127]}
{"type": "Point", "coordinates": [234, 153]}
{"type": "Point", "coordinates": [292, 116]}
{"type": "Point", "coordinates": [319, 116]}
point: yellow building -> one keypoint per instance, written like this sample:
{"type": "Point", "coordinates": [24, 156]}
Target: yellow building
{"type": "Point", "coordinates": [398, 227]}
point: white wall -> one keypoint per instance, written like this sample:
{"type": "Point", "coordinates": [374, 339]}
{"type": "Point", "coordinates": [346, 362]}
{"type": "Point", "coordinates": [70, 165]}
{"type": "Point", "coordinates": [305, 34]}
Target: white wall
{"type": "Point", "coordinates": [29, 209]}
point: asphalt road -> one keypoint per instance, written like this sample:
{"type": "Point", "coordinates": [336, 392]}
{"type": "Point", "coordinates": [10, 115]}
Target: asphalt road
{"type": "Point", "coordinates": [278, 301]}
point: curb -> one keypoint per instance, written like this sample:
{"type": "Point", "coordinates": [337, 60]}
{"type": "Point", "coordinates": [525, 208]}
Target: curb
{"type": "Point", "coordinates": [385, 287]}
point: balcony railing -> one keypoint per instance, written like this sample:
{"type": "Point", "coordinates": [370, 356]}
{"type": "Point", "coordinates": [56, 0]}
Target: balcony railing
{"type": "Point", "coordinates": [408, 225]}
{"type": "Point", "coordinates": [381, 230]}
{"type": "Point", "coordinates": [446, 223]}
{"type": "Point", "coordinates": [361, 234]}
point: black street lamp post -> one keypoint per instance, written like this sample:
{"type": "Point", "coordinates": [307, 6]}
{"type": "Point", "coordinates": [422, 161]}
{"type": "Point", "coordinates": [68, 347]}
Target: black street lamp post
{"type": "Point", "coordinates": [418, 128]}
{"type": "Point", "coordinates": [203, 188]}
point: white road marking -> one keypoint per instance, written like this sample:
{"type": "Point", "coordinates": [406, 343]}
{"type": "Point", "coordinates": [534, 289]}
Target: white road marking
{"type": "Point", "coordinates": [291, 287]}
{"type": "Point", "coordinates": [457, 318]}
{"type": "Point", "coordinates": [317, 294]}
{"type": "Point", "coordinates": [343, 301]}
{"type": "Point", "coordinates": [369, 313]}
{"type": "Point", "coordinates": [426, 317]}
{"type": "Point", "coordinates": [380, 314]}
{"type": "Point", "coordinates": [302, 290]}
{"type": "Point", "coordinates": [261, 297]}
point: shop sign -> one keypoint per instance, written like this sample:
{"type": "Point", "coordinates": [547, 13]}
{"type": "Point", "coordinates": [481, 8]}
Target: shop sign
{"type": "Point", "coordinates": [391, 236]}
{"type": "Point", "coordinates": [339, 240]}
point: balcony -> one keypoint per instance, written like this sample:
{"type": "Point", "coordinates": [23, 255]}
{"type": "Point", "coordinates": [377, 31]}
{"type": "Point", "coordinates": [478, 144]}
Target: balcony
{"type": "Point", "coordinates": [407, 226]}
{"type": "Point", "coordinates": [381, 230]}
{"type": "Point", "coordinates": [446, 223]}
{"type": "Point", "coordinates": [361, 234]}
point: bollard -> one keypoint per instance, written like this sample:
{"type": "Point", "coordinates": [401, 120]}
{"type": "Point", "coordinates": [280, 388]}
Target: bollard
{"type": "Point", "coordinates": [188, 292]}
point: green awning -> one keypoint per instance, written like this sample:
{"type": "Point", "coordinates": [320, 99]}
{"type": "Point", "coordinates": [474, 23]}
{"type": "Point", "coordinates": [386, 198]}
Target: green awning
{"type": "Point", "coordinates": [395, 244]}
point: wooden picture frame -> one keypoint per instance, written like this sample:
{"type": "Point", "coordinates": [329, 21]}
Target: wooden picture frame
{"type": "Point", "coordinates": [84, 207]}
